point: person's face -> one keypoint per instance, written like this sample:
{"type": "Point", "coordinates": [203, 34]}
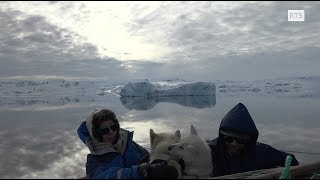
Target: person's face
{"type": "Point", "coordinates": [235, 144]}
{"type": "Point", "coordinates": [108, 130]}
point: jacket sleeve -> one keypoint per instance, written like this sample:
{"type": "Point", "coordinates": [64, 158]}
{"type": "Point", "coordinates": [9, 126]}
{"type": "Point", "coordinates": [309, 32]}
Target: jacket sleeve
{"type": "Point", "coordinates": [83, 132]}
{"type": "Point", "coordinates": [110, 165]}
{"type": "Point", "coordinates": [143, 152]}
{"type": "Point", "coordinates": [279, 157]}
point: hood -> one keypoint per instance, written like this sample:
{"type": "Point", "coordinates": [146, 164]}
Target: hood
{"type": "Point", "coordinates": [97, 147]}
{"type": "Point", "coordinates": [89, 121]}
{"type": "Point", "coordinates": [239, 120]}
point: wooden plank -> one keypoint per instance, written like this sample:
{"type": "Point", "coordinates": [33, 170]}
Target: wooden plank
{"type": "Point", "coordinates": [274, 173]}
{"type": "Point", "coordinates": [246, 174]}
{"type": "Point", "coordinates": [296, 171]}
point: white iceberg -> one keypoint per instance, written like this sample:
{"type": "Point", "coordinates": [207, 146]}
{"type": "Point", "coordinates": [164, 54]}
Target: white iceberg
{"type": "Point", "coordinates": [148, 89]}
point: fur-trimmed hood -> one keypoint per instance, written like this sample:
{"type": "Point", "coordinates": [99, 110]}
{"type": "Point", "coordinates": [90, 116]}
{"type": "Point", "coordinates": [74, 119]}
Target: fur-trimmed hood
{"type": "Point", "coordinates": [85, 132]}
{"type": "Point", "coordinates": [89, 121]}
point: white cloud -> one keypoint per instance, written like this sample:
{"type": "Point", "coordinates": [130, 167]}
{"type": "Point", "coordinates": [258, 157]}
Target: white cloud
{"type": "Point", "coordinates": [197, 39]}
{"type": "Point", "coordinates": [101, 23]}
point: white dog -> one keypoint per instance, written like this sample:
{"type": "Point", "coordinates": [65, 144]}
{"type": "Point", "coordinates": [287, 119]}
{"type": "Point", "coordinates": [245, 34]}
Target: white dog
{"type": "Point", "coordinates": [159, 148]}
{"type": "Point", "coordinates": [195, 154]}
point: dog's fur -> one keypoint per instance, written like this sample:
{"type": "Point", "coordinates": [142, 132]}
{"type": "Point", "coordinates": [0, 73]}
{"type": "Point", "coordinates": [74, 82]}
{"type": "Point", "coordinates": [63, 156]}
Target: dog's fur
{"type": "Point", "coordinates": [196, 155]}
{"type": "Point", "coordinates": [159, 148]}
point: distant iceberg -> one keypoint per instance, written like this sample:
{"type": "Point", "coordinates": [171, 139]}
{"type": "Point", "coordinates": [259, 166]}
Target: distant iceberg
{"type": "Point", "coordinates": [147, 89]}
{"type": "Point", "coordinates": [145, 95]}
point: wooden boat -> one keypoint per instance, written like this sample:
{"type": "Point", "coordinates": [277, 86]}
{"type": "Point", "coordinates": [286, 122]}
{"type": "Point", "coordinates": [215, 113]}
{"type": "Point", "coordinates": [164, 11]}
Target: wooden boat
{"type": "Point", "coordinates": [308, 171]}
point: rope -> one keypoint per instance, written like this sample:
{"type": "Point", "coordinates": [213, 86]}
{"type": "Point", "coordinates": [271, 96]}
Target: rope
{"type": "Point", "coordinates": [302, 152]}
{"type": "Point", "coordinates": [286, 173]}
{"type": "Point", "coordinates": [316, 176]}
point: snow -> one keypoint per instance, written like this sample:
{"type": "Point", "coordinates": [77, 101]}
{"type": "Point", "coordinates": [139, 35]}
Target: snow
{"type": "Point", "coordinates": [288, 87]}
{"type": "Point", "coordinates": [296, 86]}
{"type": "Point", "coordinates": [144, 94]}
{"type": "Point", "coordinates": [46, 94]}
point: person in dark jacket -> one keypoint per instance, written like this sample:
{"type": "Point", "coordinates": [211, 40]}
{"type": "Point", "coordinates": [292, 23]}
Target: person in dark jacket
{"type": "Point", "coordinates": [113, 153]}
{"type": "Point", "coordinates": [236, 149]}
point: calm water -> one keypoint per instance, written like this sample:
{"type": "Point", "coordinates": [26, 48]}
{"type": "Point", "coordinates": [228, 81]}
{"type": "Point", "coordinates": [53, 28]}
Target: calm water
{"type": "Point", "coordinates": [39, 139]}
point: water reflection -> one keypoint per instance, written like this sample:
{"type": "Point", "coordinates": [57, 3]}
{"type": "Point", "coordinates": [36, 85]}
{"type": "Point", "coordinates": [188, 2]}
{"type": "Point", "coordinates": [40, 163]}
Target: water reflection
{"type": "Point", "coordinates": [146, 103]}
{"type": "Point", "coordinates": [40, 144]}
{"type": "Point", "coordinates": [44, 103]}
{"type": "Point", "coordinates": [44, 144]}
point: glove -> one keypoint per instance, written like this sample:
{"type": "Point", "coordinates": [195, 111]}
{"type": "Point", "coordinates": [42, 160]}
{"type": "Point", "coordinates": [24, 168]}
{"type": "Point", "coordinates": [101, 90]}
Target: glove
{"type": "Point", "coordinates": [158, 170]}
{"type": "Point", "coordinates": [144, 159]}
{"type": "Point", "coordinates": [158, 161]}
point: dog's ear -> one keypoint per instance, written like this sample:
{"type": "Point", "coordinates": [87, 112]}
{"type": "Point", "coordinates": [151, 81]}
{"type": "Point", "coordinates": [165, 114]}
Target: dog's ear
{"type": "Point", "coordinates": [178, 134]}
{"type": "Point", "coordinates": [193, 130]}
{"type": "Point", "coordinates": [152, 135]}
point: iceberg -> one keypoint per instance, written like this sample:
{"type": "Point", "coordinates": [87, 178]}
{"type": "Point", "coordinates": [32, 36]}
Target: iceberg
{"type": "Point", "coordinates": [145, 95]}
{"type": "Point", "coordinates": [148, 89]}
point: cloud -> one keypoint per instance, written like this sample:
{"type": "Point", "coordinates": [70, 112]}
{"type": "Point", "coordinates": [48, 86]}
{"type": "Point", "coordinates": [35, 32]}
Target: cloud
{"type": "Point", "coordinates": [247, 41]}
{"type": "Point", "coordinates": [31, 38]}
{"type": "Point", "coordinates": [264, 65]}
{"type": "Point", "coordinates": [197, 40]}
{"type": "Point", "coordinates": [200, 30]}
{"type": "Point", "coordinates": [31, 46]}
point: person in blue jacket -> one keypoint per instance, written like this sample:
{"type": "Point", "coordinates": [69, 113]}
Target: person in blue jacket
{"type": "Point", "coordinates": [113, 153]}
{"type": "Point", "coordinates": [236, 149]}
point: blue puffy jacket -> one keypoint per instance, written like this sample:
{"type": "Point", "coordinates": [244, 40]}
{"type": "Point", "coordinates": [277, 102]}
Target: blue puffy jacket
{"type": "Point", "coordinates": [257, 155]}
{"type": "Point", "coordinates": [112, 165]}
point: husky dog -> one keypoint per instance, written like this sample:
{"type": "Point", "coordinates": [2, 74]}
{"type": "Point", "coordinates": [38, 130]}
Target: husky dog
{"type": "Point", "coordinates": [159, 148]}
{"type": "Point", "coordinates": [195, 154]}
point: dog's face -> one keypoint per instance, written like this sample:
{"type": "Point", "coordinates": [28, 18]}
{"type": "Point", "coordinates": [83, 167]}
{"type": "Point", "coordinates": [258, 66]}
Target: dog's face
{"type": "Point", "coordinates": [193, 154]}
{"type": "Point", "coordinates": [189, 147]}
{"type": "Point", "coordinates": [160, 141]}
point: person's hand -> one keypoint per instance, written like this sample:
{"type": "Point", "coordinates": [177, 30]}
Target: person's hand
{"type": "Point", "coordinates": [158, 170]}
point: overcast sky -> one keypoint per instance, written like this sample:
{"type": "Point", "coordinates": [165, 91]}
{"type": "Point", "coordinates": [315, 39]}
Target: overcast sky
{"type": "Point", "coordinates": [189, 40]}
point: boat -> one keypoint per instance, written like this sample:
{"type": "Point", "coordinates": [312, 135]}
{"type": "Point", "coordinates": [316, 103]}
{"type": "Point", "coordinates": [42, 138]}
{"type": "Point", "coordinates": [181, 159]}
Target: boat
{"type": "Point", "coordinates": [307, 171]}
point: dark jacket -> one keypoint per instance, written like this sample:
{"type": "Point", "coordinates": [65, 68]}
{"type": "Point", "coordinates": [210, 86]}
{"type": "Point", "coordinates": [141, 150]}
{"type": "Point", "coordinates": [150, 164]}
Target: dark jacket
{"type": "Point", "coordinates": [113, 165]}
{"type": "Point", "coordinates": [257, 155]}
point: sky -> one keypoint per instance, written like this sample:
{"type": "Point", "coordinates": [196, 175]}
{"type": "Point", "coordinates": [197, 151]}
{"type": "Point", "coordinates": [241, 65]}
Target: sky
{"type": "Point", "coordinates": [120, 41]}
